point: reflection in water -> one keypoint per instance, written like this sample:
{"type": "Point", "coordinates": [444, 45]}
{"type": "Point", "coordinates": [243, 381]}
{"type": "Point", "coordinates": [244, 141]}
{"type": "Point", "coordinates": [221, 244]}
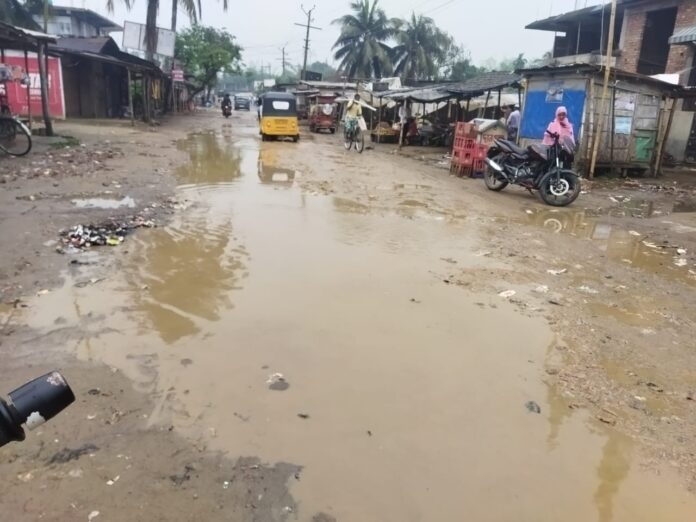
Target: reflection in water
{"type": "Point", "coordinates": [612, 472]}
{"type": "Point", "coordinates": [270, 172]}
{"type": "Point", "coordinates": [210, 160]}
{"type": "Point", "coordinates": [559, 411]}
{"type": "Point", "coordinates": [187, 274]}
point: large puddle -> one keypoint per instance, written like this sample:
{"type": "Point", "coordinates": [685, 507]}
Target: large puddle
{"type": "Point", "coordinates": [402, 397]}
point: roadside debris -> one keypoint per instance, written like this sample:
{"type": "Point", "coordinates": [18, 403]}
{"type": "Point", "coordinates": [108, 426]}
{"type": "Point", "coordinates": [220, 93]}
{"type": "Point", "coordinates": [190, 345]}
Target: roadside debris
{"type": "Point", "coordinates": [67, 454]}
{"type": "Point", "coordinates": [533, 407]}
{"type": "Point", "coordinates": [556, 272]}
{"type": "Point", "coordinates": [111, 233]}
{"type": "Point", "coordinates": [507, 294]}
{"type": "Point", "coordinates": [277, 382]}
{"type": "Point", "coordinates": [304, 416]}
{"type": "Point", "coordinates": [92, 516]}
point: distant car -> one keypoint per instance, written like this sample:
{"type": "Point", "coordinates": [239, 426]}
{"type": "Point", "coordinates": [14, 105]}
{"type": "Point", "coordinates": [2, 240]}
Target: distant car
{"type": "Point", "coordinates": [242, 102]}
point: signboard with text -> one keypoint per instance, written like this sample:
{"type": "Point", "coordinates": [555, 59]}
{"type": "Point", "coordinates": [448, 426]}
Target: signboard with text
{"type": "Point", "coordinates": [177, 75]}
{"type": "Point", "coordinates": [17, 93]}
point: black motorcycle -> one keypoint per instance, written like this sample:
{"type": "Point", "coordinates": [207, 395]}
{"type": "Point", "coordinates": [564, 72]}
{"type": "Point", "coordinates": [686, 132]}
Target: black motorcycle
{"type": "Point", "coordinates": [546, 169]}
{"type": "Point", "coordinates": [227, 110]}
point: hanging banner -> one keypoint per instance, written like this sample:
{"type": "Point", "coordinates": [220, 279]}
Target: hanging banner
{"type": "Point", "coordinates": [17, 92]}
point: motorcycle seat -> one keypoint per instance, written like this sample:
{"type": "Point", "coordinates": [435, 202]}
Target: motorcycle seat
{"type": "Point", "coordinates": [513, 147]}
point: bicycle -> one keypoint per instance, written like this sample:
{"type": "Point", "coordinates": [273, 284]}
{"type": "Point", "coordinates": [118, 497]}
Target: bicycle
{"type": "Point", "coordinates": [352, 134]}
{"type": "Point", "coordinates": [15, 137]}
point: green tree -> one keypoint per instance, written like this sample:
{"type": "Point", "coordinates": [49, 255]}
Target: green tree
{"type": "Point", "coordinates": [421, 48]}
{"type": "Point", "coordinates": [326, 70]}
{"type": "Point", "coordinates": [361, 47]}
{"type": "Point", "coordinates": [206, 51]}
{"type": "Point", "coordinates": [458, 65]}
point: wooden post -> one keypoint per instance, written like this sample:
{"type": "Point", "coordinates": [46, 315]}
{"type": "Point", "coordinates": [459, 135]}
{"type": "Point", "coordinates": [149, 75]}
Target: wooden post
{"type": "Point", "coordinates": [485, 107]}
{"type": "Point", "coordinates": [26, 69]}
{"type": "Point", "coordinates": [605, 89]}
{"type": "Point", "coordinates": [665, 135]}
{"type": "Point", "coordinates": [379, 120]}
{"type": "Point", "coordinates": [43, 75]}
{"type": "Point", "coordinates": [498, 114]}
{"type": "Point", "coordinates": [130, 98]}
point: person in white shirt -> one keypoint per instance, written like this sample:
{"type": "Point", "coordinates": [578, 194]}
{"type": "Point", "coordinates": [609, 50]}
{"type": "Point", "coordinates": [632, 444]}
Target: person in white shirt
{"type": "Point", "coordinates": [404, 114]}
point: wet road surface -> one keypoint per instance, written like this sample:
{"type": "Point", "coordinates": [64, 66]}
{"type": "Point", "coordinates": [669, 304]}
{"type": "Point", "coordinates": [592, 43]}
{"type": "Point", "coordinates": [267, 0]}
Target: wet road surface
{"type": "Point", "coordinates": [297, 327]}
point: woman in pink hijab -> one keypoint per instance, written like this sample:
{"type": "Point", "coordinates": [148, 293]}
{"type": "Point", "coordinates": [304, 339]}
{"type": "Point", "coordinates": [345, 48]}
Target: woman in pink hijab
{"type": "Point", "coordinates": [560, 126]}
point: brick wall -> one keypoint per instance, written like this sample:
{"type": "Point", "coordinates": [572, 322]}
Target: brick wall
{"type": "Point", "coordinates": [631, 39]}
{"type": "Point", "coordinates": [680, 55]}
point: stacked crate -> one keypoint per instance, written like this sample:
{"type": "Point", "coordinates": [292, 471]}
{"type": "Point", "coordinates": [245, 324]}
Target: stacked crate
{"type": "Point", "coordinates": [468, 154]}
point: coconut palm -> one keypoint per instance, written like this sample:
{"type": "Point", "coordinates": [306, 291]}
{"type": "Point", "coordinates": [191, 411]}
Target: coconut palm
{"type": "Point", "coordinates": [421, 48]}
{"type": "Point", "coordinates": [361, 48]}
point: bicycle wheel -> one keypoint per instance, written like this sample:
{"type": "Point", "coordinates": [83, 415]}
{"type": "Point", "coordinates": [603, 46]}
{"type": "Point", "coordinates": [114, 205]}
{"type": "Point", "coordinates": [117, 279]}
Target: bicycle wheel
{"type": "Point", "coordinates": [15, 138]}
{"type": "Point", "coordinates": [359, 141]}
{"type": "Point", "coordinates": [347, 139]}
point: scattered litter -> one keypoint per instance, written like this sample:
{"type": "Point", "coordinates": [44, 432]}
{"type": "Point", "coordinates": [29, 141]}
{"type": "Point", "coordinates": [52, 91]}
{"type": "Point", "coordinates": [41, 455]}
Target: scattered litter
{"type": "Point", "coordinates": [639, 398]}
{"type": "Point", "coordinates": [482, 253]}
{"type": "Point", "coordinates": [92, 516]}
{"type": "Point", "coordinates": [92, 281]}
{"type": "Point", "coordinates": [634, 233]}
{"type": "Point", "coordinates": [681, 251]}
{"type": "Point", "coordinates": [43, 292]}
{"type": "Point", "coordinates": [648, 331]}
{"type": "Point", "coordinates": [529, 211]}
{"type": "Point", "coordinates": [75, 473]}
{"type": "Point", "coordinates": [25, 477]}
{"type": "Point", "coordinates": [542, 289]}
{"type": "Point", "coordinates": [226, 484]}
{"type": "Point", "coordinates": [277, 382]}
{"type": "Point", "coordinates": [304, 416]}
{"type": "Point", "coordinates": [91, 417]}
{"type": "Point", "coordinates": [680, 262]}
{"type": "Point", "coordinates": [414, 300]}
{"type": "Point", "coordinates": [649, 244]}
{"type": "Point", "coordinates": [611, 421]}
{"type": "Point", "coordinates": [556, 272]}
{"type": "Point", "coordinates": [369, 433]}
{"type": "Point", "coordinates": [507, 294]}
{"type": "Point", "coordinates": [588, 290]}
{"type": "Point", "coordinates": [67, 454]}
{"type": "Point", "coordinates": [110, 233]}
{"type": "Point", "coordinates": [113, 481]}
{"type": "Point", "coordinates": [449, 260]}
{"type": "Point", "coordinates": [655, 387]}
{"type": "Point", "coordinates": [533, 407]}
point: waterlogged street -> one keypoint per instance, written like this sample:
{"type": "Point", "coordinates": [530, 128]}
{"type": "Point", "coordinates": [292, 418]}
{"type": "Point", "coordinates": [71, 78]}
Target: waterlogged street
{"type": "Point", "coordinates": [318, 335]}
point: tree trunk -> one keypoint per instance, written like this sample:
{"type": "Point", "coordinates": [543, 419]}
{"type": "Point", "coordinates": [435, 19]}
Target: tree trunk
{"type": "Point", "coordinates": [43, 75]}
{"type": "Point", "coordinates": [175, 5]}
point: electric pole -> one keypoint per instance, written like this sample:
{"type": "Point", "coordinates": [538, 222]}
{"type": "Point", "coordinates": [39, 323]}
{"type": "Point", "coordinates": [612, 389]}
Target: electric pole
{"type": "Point", "coordinates": [283, 61]}
{"type": "Point", "coordinates": [308, 26]}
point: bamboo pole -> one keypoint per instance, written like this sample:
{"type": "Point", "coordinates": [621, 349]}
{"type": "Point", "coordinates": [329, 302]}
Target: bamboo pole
{"type": "Point", "coordinates": [605, 89]}
{"type": "Point", "coordinates": [130, 98]}
{"type": "Point", "coordinates": [43, 75]}
{"type": "Point", "coordinates": [26, 69]}
{"type": "Point", "coordinates": [665, 135]}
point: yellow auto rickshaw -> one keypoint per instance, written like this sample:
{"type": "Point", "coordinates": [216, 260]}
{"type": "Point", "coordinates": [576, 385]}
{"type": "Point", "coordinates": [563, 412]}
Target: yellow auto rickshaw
{"type": "Point", "coordinates": [278, 116]}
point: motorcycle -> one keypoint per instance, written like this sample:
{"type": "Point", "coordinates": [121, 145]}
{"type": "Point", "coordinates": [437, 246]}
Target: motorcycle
{"type": "Point", "coordinates": [32, 404]}
{"type": "Point", "coordinates": [227, 110]}
{"type": "Point", "coordinates": [546, 169]}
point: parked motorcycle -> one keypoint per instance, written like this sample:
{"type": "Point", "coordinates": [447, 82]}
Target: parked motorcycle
{"type": "Point", "coordinates": [546, 169]}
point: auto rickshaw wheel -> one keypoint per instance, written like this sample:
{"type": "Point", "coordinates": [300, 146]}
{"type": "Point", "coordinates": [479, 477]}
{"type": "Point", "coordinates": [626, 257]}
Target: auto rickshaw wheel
{"type": "Point", "coordinates": [333, 130]}
{"type": "Point", "coordinates": [264, 137]}
{"type": "Point", "coordinates": [295, 139]}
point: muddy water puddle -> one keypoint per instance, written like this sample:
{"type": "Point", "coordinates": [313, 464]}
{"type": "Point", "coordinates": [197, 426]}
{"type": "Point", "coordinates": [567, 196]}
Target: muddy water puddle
{"type": "Point", "coordinates": [621, 245]}
{"type": "Point", "coordinates": [403, 399]}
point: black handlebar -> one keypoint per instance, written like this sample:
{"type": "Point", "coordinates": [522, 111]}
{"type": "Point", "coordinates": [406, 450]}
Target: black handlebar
{"type": "Point", "coordinates": [554, 135]}
{"type": "Point", "coordinates": [33, 404]}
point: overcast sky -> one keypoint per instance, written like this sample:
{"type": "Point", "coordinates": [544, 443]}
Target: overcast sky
{"type": "Point", "coordinates": [488, 28]}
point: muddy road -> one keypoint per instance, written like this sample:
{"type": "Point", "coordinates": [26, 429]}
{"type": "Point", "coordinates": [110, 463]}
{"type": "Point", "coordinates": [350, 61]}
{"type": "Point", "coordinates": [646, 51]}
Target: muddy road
{"type": "Point", "coordinates": [312, 334]}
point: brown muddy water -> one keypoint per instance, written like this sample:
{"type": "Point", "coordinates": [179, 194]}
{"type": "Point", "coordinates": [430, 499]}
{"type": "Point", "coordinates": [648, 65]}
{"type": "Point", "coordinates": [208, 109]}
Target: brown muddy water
{"type": "Point", "coordinates": [402, 397]}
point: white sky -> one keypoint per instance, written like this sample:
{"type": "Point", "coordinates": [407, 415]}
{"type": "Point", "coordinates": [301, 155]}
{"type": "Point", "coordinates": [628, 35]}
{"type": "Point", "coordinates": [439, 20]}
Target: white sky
{"type": "Point", "coordinates": [488, 28]}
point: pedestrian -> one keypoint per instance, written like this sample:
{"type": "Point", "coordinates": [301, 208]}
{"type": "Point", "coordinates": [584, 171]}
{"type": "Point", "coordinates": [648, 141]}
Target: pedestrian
{"type": "Point", "coordinates": [561, 126]}
{"type": "Point", "coordinates": [403, 118]}
{"type": "Point", "coordinates": [513, 122]}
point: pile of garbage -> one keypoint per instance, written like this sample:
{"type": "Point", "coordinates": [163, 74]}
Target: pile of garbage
{"type": "Point", "coordinates": [110, 233]}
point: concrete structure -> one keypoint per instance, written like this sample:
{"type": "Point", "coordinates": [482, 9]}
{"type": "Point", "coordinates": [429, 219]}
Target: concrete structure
{"type": "Point", "coordinates": [652, 37]}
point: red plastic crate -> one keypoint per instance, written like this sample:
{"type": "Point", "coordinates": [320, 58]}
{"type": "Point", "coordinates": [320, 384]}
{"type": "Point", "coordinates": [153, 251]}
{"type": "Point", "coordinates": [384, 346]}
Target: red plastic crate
{"type": "Point", "coordinates": [481, 152]}
{"type": "Point", "coordinates": [464, 143]}
{"type": "Point", "coordinates": [478, 166]}
{"type": "Point", "coordinates": [463, 157]}
{"type": "Point", "coordinates": [465, 130]}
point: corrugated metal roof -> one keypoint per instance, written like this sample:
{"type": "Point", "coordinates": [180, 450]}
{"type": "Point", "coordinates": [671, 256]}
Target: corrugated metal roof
{"type": "Point", "coordinates": [491, 81]}
{"type": "Point", "coordinates": [93, 45]}
{"type": "Point", "coordinates": [684, 35]}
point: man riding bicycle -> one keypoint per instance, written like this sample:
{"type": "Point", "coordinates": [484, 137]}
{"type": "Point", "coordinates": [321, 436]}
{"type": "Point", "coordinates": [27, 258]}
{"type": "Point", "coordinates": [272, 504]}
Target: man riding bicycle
{"type": "Point", "coordinates": [353, 114]}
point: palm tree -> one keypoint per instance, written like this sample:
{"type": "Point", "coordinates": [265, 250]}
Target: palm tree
{"type": "Point", "coordinates": [361, 47]}
{"type": "Point", "coordinates": [421, 48]}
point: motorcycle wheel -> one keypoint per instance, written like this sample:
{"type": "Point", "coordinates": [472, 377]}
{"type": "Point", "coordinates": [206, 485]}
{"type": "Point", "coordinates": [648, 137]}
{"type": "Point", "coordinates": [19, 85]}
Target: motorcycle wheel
{"type": "Point", "coordinates": [561, 191]}
{"type": "Point", "coordinates": [493, 180]}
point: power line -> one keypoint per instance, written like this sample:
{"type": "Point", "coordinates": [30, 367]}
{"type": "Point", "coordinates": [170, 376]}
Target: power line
{"type": "Point", "coordinates": [308, 26]}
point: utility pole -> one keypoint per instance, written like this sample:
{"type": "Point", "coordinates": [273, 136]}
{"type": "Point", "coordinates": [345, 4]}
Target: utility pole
{"type": "Point", "coordinates": [308, 26]}
{"type": "Point", "coordinates": [283, 61]}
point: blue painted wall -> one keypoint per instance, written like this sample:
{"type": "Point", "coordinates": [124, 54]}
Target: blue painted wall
{"type": "Point", "coordinates": [541, 105]}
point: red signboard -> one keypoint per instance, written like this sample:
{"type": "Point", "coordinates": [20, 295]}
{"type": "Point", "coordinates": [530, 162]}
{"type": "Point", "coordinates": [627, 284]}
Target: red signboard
{"type": "Point", "coordinates": [17, 93]}
{"type": "Point", "coordinates": [177, 75]}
